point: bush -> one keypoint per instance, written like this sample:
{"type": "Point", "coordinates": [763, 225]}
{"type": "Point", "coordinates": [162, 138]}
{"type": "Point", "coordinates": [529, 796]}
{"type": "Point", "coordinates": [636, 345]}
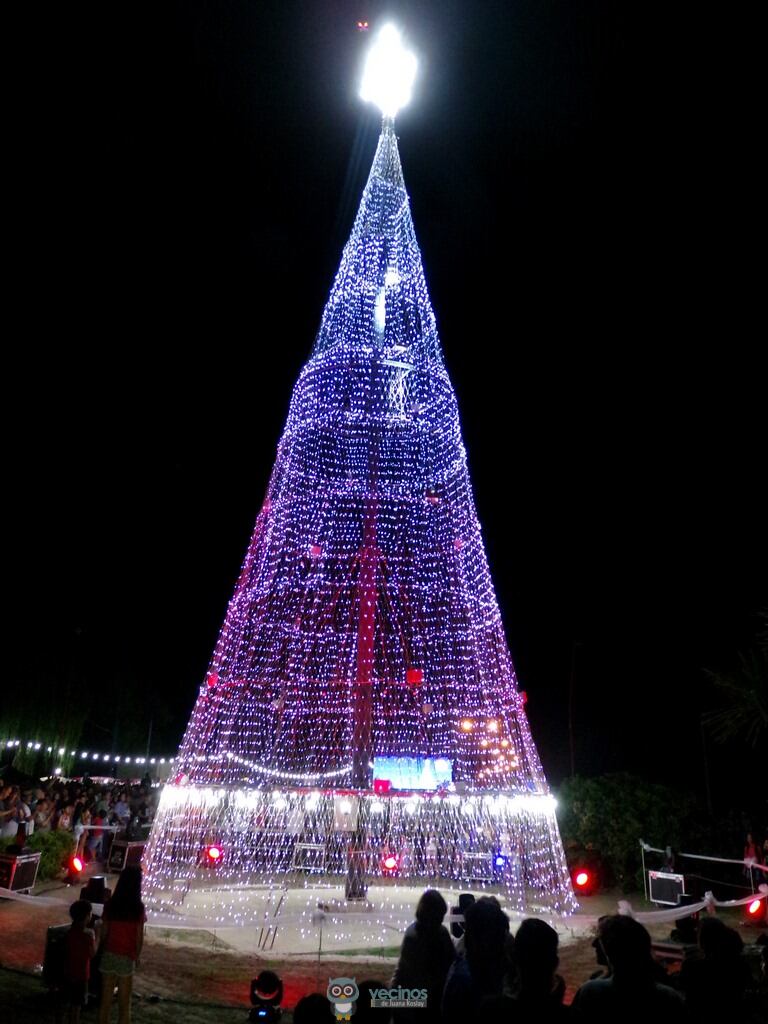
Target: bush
{"type": "Point", "coordinates": [56, 849]}
{"type": "Point", "coordinates": [612, 813]}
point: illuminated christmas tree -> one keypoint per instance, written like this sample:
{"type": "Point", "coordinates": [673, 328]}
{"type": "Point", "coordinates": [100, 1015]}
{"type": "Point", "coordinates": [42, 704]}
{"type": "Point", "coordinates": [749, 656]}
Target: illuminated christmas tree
{"type": "Point", "coordinates": [360, 718]}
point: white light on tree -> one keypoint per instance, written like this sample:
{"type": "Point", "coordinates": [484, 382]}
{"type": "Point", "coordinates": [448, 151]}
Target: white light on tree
{"type": "Point", "coordinates": [389, 73]}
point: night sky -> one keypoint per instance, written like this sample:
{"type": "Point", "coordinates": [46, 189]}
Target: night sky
{"type": "Point", "coordinates": [184, 177]}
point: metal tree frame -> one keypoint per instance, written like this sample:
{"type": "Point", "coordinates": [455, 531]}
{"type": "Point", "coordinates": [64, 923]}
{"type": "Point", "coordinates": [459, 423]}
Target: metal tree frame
{"type": "Point", "coordinates": [364, 625]}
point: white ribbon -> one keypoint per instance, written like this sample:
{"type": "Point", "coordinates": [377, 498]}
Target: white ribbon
{"type": "Point", "coordinates": [747, 862]}
{"type": "Point", "coordinates": [47, 901]}
{"type": "Point", "coordinates": [676, 913]}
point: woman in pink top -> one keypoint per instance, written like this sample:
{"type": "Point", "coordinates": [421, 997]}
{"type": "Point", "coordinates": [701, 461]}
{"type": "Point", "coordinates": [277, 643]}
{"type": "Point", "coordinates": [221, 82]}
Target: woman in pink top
{"type": "Point", "coordinates": [751, 851]}
{"type": "Point", "coordinates": [64, 824]}
{"type": "Point", "coordinates": [122, 937]}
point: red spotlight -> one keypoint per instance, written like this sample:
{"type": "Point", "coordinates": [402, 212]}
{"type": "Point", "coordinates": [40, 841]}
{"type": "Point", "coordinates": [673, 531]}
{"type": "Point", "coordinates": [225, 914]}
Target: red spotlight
{"type": "Point", "coordinates": [584, 881]}
{"type": "Point", "coordinates": [213, 853]}
{"type": "Point", "coordinates": [754, 908]}
{"type": "Point", "coordinates": [389, 863]}
{"type": "Point", "coordinates": [74, 870]}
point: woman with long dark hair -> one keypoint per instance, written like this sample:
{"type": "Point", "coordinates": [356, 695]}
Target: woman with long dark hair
{"type": "Point", "coordinates": [122, 937]}
{"type": "Point", "coordinates": [425, 958]}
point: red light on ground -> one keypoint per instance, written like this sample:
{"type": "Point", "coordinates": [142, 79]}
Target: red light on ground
{"type": "Point", "coordinates": [754, 907]}
{"type": "Point", "coordinates": [390, 862]}
{"type": "Point", "coordinates": [581, 879]}
{"type": "Point", "coordinates": [214, 853]}
{"type": "Point", "coordinates": [74, 870]}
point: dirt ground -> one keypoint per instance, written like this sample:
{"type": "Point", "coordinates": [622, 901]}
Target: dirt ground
{"type": "Point", "coordinates": [189, 976]}
{"type": "Point", "coordinates": [196, 978]}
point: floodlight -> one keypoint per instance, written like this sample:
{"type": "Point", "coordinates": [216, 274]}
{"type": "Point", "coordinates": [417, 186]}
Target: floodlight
{"type": "Point", "coordinates": [389, 73]}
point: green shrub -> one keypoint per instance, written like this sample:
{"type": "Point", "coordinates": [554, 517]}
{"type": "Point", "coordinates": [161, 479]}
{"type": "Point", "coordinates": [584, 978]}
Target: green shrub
{"type": "Point", "coordinates": [55, 847]}
{"type": "Point", "coordinates": [611, 813]}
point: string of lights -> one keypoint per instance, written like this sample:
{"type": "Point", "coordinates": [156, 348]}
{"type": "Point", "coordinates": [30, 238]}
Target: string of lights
{"type": "Point", "coordinates": [35, 746]}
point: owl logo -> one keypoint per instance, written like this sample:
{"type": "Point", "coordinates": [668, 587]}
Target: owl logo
{"type": "Point", "coordinates": [342, 994]}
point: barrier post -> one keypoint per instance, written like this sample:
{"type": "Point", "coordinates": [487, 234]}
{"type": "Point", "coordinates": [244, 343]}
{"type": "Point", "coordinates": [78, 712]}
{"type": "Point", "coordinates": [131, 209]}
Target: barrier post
{"type": "Point", "coordinates": [645, 877]}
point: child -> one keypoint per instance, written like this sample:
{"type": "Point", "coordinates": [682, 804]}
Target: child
{"type": "Point", "coordinates": [81, 831]}
{"type": "Point", "coordinates": [94, 843]}
{"type": "Point", "coordinates": [81, 948]}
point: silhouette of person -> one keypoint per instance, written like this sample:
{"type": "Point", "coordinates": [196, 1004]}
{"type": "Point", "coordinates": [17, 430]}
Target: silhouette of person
{"type": "Point", "coordinates": [425, 958]}
{"type": "Point", "coordinates": [480, 971]}
{"type": "Point", "coordinates": [631, 991]}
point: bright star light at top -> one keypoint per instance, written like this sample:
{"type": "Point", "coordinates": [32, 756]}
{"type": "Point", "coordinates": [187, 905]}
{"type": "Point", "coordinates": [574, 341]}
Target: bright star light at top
{"type": "Point", "coordinates": [389, 73]}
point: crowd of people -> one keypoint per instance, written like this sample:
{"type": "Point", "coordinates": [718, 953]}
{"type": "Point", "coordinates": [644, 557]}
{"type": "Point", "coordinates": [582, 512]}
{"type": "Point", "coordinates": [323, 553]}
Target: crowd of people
{"type": "Point", "coordinates": [483, 973]}
{"type": "Point", "coordinates": [477, 970]}
{"type": "Point", "coordinates": [86, 809]}
{"type": "Point", "coordinates": [491, 975]}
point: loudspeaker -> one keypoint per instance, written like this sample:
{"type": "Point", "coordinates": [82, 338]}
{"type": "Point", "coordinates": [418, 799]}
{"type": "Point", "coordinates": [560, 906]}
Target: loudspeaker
{"type": "Point", "coordinates": [124, 854]}
{"type": "Point", "coordinates": [665, 888]}
{"type": "Point", "coordinates": [18, 871]}
{"type": "Point", "coordinates": [55, 958]}
{"type": "Point", "coordinates": [96, 891]}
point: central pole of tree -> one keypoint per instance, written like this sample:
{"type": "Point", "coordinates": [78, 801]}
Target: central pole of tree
{"type": "Point", "coordinates": [362, 702]}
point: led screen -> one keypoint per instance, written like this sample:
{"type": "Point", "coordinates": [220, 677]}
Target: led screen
{"type": "Point", "coordinates": [413, 772]}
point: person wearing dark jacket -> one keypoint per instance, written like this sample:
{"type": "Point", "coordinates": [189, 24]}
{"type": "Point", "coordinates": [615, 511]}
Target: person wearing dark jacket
{"type": "Point", "coordinates": [539, 989]}
{"type": "Point", "coordinates": [715, 985]}
{"type": "Point", "coordinates": [425, 958]}
{"type": "Point", "coordinates": [480, 973]}
{"type": "Point", "coordinates": [631, 992]}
